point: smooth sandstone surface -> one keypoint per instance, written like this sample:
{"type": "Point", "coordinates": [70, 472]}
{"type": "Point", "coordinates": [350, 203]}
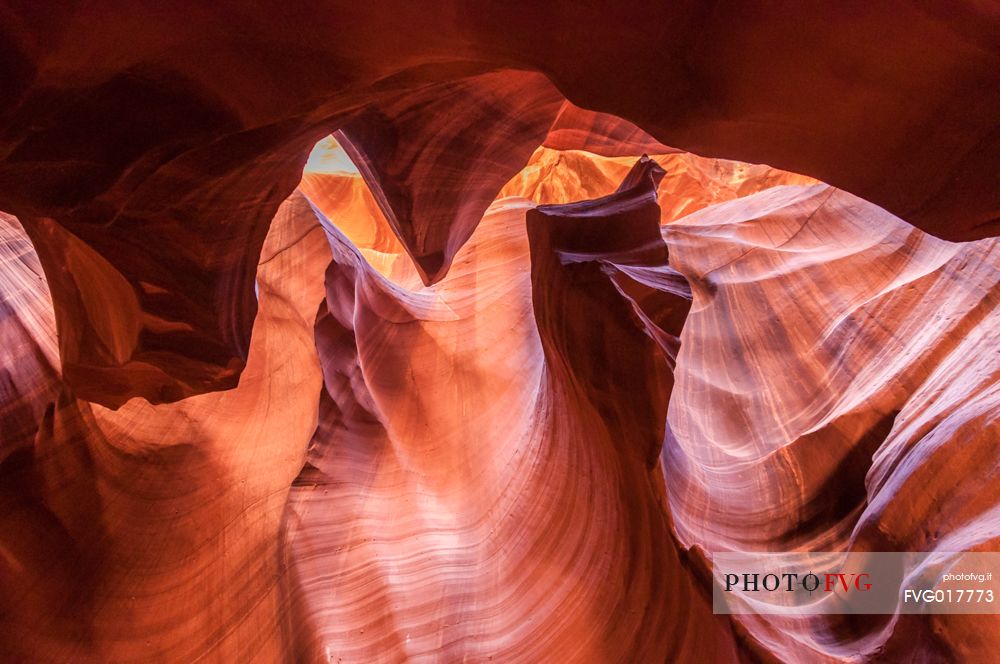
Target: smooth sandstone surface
{"type": "Point", "coordinates": [145, 147]}
{"type": "Point", "coordinates": [488, 467]}
{"type": "Point", "coordinates": [837, 388]}
{"type": "Point", "coordinates": [566, 299]}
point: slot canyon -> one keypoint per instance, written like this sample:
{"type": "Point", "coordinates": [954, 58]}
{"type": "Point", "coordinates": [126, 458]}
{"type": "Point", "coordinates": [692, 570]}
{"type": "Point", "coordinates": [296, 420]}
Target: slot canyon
{"type": "Point", "coordinates": [474, 332]}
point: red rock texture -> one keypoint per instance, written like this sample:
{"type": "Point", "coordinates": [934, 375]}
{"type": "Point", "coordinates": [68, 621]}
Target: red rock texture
{"type": "Point", "coordinates": [859, 413]}
{"type": "Point", "coordinates": [435, 158]}
{"type": "Point", "coordinates": [174, 132]}
{"type": "Point", "coordinates": [481, 483]}
{"type": "Point", "coordinates": [500, 386]}
{"type": "Point", "coordinates": [30, 371]}
{"type": "Point", "coordinates": [447, 541]}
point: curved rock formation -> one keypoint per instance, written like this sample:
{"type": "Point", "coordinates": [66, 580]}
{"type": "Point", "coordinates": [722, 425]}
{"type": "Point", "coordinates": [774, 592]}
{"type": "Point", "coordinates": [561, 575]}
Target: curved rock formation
{"type": "Point", "coordinates": [133, 130]}
{"type": "Point", "coordinates": [689, 184]}
{"type": "Point", "coordinates": [520, 351]}
{"type": "Point", "coordinates": [435, 158]}
{"type": "Point", "coordinates": [862, 412]}
{"type": "Point", "coordinates": [151, 532]}
{"type": "Point", "coordinates": [448, 414]}
{"type": "Point", "coordinates": [29, 375]}
{"type": "Point", "coordinates": [480, 482]}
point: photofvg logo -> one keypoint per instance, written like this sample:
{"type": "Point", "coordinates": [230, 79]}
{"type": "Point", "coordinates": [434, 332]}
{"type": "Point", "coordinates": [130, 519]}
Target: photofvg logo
{"type": "Point", "coordinates": [811, 583]}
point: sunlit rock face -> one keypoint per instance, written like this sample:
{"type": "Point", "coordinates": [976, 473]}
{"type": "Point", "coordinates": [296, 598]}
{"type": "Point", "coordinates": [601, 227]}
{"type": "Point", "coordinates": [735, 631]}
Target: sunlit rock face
{"type": "Point", "coordinates": [464, 491]}
{"type": "Point", "coordinates": [369, 333]}
{"type": "Point", "coordinates": [27, 335]}
{"type": "Point", "coordinates": [145, 149]}
{"type": "Point", "coordinates": [861, 412]}
{"type": "Point", "coordinates": [488, 467]}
